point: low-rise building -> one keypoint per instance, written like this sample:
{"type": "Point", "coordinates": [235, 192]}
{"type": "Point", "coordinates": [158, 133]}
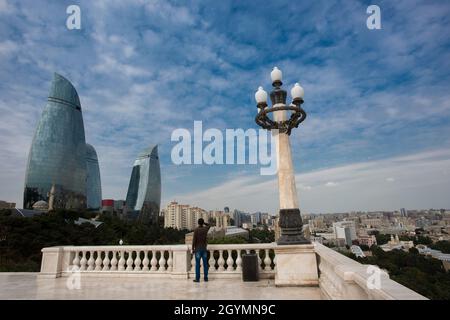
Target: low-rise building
{"type": "Point", "coordinates": [367, 240]}
{"type": "Point", "coordinates": [7, 205]}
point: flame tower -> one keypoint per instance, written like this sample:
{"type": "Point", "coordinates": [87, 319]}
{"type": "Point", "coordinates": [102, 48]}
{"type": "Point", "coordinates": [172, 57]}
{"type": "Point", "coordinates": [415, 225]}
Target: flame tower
{"type": "Point", "coordinates": [57, 157]}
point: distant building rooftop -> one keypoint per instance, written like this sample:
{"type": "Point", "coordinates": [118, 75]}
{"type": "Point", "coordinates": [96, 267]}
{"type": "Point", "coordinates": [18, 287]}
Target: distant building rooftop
{"type": "Point", "coordinates": [26, 213]}
{"type": "Point", "coordinates": [83, 220]}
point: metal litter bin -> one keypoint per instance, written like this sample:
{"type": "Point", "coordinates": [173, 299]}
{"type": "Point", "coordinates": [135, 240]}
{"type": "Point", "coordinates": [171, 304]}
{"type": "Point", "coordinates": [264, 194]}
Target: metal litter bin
{"type": "Point", "coordinates": [250, 267]}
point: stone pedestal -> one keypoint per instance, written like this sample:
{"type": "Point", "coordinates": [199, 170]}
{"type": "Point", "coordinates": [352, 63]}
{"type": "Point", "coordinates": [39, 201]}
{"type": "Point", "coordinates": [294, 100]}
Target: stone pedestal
{"type": "Point", "coordinates": [51, 265]}
{"type": "Point", "coordinates": [296, 265]}
{"type": "Point", "coordinates": [181, 262]}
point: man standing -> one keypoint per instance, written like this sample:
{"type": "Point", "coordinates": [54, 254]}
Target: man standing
{"type": "Point", "coordinates": [199, 249]}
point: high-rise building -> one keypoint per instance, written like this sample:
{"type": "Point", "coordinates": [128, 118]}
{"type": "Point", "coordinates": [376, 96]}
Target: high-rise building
{"type": "Point", "coordinates": [144, 191]}
{"type": "Point", "coordinates": [57, 157]}
{"type": "Point", "coordinates": [403, 212]}
{"type": "Point", "coordinates": [256, 218]}
{"type": "Point", "coordinates": [183, 216]}
{"type": "Point", "coordinates": [93, 182]}
{"type": "Point", "coordinates": [237, 218]}
{"type": "Point", "coordinates": [345, 230]}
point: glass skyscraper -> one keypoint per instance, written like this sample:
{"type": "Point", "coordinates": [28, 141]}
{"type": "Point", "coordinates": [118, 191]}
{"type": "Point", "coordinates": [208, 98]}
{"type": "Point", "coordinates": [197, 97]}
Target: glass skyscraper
{"type": "Point", "coordinates": [93, 183]}
{"type": "Point", "coordinates": [144, 191]}
{"type": "Point", "coordinates": [57, 157]}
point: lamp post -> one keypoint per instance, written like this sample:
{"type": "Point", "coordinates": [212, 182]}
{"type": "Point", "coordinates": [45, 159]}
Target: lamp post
{"type": "Point", "coordinates": [284, 118]}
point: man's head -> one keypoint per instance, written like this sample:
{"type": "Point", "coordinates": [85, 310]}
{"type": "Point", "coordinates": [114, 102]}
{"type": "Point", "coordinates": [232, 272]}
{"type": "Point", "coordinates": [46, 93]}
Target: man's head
{"type": "Point", "coordinates": [201, 222]}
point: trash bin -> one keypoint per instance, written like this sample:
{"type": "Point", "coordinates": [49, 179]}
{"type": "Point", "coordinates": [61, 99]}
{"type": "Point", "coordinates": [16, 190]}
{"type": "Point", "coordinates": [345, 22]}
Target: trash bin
{"type": "Point", "coordinates": [250, 267]}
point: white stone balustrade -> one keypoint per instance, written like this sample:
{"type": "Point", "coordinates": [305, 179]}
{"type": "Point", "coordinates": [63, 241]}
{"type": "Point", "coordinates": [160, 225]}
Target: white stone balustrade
{"type": "Point", "coordinates": [173, 260]}
{"type": "Point", "coordinates": [339, 276]}
{"type": "Point", "coordinates": [225, 260]}
{"type": "Point", "coordinates": [342, 278]}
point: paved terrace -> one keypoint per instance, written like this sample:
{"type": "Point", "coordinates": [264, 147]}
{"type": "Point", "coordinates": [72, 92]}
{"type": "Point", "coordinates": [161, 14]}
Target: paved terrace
{"type": "Point", "coordinates": [166, 272]}
{"type": "Point", "coordinates": [29, 286]}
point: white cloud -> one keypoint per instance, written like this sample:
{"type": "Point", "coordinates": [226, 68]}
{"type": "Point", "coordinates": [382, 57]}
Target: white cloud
{"type": "Point", "coordinates": [425, 183]}
{"type": "Point", "coordinates": [5, 7]}
{"type": "Point", "coordinates": [331, 184]}
{"type": "Point", "coordinates": [109, 65]}
{"type": "Point", "coordinates": [7, 47]}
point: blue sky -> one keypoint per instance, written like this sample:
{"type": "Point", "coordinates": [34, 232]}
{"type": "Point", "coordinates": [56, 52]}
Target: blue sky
{"type": "Point", "coordinates": [377, 132]}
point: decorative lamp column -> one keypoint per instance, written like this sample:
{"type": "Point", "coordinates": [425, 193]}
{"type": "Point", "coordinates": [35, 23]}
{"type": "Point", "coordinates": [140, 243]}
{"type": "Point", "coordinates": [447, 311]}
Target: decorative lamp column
{"type": "Point", "coordinates": [285, 118]}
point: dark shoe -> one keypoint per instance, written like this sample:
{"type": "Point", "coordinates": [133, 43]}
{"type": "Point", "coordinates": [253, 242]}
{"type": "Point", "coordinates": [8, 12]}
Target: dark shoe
{"type": "Point", "coordinates": [196, 280]}
{"type": "Point", "coordinates": [206, 279]}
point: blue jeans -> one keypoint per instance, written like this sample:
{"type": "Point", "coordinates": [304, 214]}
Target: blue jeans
{"type": "Point", "coordinates": [203, 254]}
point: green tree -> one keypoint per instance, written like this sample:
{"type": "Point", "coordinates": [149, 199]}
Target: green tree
{"type": "Point", "coordinates": [21, 239]}
{"type": "Point", "coordinates": [442, 245]}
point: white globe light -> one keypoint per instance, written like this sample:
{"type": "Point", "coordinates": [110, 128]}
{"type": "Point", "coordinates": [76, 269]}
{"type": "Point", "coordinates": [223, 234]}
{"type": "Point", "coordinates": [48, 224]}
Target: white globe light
{"type": "Point", "coordinates": [261, 95]}
{"type": "Point", "coordinates": [276, 74]}
{"type": "Point", "coordinates": [297, 92]}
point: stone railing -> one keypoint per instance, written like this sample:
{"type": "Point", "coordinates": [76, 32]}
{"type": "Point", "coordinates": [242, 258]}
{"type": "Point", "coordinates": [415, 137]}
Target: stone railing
{"type": "Point", "coordinates": [225, 260]}
{"type": "Point", "coordinates": [174, 261]}
{"type": "Point", "coordinates": [342, 278]}
{"type": "Point", "coordinates": [339, 276]}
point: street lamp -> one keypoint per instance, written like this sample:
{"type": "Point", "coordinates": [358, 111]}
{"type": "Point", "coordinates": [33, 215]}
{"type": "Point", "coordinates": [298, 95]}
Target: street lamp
{"type": "Point", "coordinates": [278, 97]}
{"type": "Point", "coordinates": [278, 119]}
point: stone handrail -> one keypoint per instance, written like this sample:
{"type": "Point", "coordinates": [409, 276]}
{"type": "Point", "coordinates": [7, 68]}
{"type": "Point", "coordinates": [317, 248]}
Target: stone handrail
{"type": "Point", "coordinates": [225, 260]}
{"type": "Point", "coordinates": [339, 276]}
{"type": "Point", "coordinates": [158, 260]}
{"type": "Point", "coordinates": [344, 278]}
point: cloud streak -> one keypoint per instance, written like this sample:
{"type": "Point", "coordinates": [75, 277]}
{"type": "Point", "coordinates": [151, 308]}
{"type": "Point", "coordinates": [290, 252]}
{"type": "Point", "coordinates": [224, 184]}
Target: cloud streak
{"type": "Point", "coordinates": [422, 181]}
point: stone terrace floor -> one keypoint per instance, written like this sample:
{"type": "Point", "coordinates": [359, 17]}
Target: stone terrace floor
{"type": "Point", "coordinates": [29, 286]}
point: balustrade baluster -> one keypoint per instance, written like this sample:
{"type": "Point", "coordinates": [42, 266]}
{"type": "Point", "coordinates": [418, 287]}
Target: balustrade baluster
{"type": "Point", "coordinates": [137, 261]}
{"type": "Point", "coordinates": [170, 262]}
{"type": "Point", "coordinates": [212, 261]}
{"type": "Point", "coordinates": [230, 261]}
{"type": "Point", "coordinates": [122, 260]}
{"type": "Point", "coordinates": [162, 262]}
{"type": "Point", "coordinates": [130, 261]}
{"type": "Point", "coordinates": [221, 261]}
{"type": "Point", "coordinates": [239, 261]}
{"type": "Point", "coordinates": [83, 261]}
{"type": "Point", "coordinates": [91, 261]}
{"type": "Point", "coordinates": [154, 262]}
{"type": "Point", "coordinates": [98, 261]}
{"type": "Point", "coordinates": [106, 261]}
{"type": "Point", "coordinates": [114, 261]}
{"type": "Point", "coordinates": [258, 251]}
{"type": "Point", "coordinates": [267, 261]}
{"type": "Point", "coordinates": [76, 260]}
{"type": "Point", "coordinates": [193, 262]}
{"type": "Point", "coordinates": [146, 261]}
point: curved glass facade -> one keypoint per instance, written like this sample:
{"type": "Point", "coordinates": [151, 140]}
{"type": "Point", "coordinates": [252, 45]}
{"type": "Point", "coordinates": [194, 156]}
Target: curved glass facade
{"type": "Point", "coordinates": [57, 155]}
{"type": "Point", "coordinates": [144, 190]}
{"type": "Point", "coordinates": [93, 182]}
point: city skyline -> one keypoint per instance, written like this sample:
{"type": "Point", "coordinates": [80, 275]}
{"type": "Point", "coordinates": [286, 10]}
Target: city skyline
{"type": "Point", "coordinates": [377, 133]}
